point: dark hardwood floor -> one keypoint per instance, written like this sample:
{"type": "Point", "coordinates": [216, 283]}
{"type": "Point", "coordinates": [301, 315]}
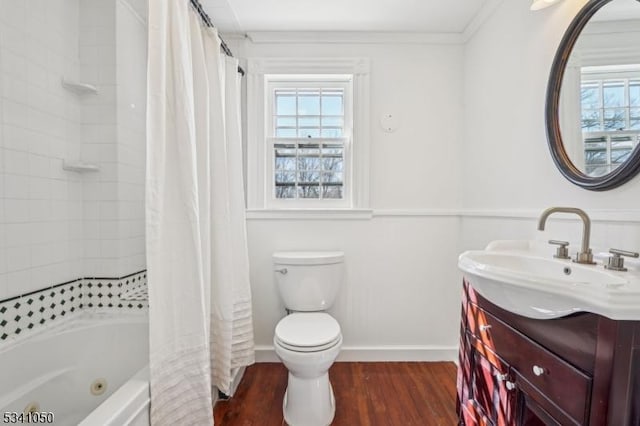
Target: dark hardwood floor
{"type": "Point", "coordinates": [367, 393]}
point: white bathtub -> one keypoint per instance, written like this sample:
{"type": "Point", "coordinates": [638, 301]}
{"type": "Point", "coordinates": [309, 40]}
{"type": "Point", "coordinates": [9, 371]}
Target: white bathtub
{"type": "Point", "coordinates": [55, 368]}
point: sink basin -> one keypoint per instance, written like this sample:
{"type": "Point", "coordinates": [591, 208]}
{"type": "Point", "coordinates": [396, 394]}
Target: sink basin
{"type": "Point", "coordinates": [524, 278]}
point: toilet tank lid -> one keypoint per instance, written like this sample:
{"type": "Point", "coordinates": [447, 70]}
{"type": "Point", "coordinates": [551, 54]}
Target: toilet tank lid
{"type": "Point", "coordinates": [308, 257]}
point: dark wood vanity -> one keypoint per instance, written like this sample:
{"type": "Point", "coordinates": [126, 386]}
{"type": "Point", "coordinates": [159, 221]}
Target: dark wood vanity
{"type": "Point", "coordinates": [583, 369]}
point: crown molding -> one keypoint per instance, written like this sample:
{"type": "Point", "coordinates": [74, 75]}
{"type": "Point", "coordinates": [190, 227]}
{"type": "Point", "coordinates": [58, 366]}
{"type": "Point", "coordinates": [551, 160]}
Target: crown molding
{"type": "Point", "coordinates": [370, 37]}
{"type": "Point", "coordinates": [343, 37]}
{"type": "Point", "coordinates": [485, 12]}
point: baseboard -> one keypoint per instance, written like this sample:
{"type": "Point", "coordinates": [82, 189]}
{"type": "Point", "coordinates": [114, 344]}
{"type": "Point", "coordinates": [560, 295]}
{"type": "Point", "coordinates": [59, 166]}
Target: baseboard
{"type": "Point", "coordinates": [377, 353]}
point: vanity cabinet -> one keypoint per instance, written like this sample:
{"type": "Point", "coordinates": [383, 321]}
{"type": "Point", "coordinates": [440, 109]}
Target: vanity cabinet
{"type": "Point", "coordinates": [583, 369]}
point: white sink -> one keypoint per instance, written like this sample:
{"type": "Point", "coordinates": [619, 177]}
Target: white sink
{"type": "Point", "coordinates": [524, 278]}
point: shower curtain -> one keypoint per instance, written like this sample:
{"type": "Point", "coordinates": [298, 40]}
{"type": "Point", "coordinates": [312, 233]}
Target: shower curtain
{"type": "Point", "coordinates": [197, 258]}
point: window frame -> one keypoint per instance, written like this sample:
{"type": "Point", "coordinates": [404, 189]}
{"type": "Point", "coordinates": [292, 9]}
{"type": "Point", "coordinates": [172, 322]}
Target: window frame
{"type": "Point", "coordinates": [260, 183]}
{"type": "Point", "coordinates": [277, 81]}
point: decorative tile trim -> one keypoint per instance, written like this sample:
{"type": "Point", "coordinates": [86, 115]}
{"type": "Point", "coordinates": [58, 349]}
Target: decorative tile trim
{"type": "Point", "coordinates": [23, 313]}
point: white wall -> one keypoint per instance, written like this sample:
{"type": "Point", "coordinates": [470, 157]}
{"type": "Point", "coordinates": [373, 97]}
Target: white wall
{"type": "Point", "coordinates": [401, 294]}
{"type": "Point", "coordinates": [507, 172]}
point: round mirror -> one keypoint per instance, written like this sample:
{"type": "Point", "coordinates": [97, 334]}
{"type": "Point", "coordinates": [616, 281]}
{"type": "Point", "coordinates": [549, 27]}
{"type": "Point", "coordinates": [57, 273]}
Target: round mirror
{"type": "Point", "coordinates": [593, 97]}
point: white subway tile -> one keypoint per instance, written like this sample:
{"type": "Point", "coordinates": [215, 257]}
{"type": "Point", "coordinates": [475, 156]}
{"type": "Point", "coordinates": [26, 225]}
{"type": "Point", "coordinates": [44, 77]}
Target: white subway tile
{"type": "Point", "coordinates": [18, 258]}
{"type": "Point", "coordinates": [19, 282]}
{"type": "Point", "coordinates": [3, 261]}
{"type": "Point", "coordinates": [16, 186]}
{"type": "Point", "coordinates": [15, 114]}
{"type": "Point", "coordinates": [39, 188]}
{"type": "Point", "coordinates": [16, 211]}
{"type": "Point", "coordinates": [16, 162]}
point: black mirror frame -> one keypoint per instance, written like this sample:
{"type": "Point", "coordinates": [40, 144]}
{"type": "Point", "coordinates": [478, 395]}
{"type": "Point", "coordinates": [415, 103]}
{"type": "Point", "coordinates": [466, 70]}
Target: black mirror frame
{"type": "Point", "coordinates": [622, 173]}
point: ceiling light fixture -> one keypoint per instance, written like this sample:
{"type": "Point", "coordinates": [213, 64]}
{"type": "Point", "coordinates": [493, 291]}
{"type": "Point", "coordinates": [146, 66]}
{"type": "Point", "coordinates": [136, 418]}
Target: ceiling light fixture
{"type": "Point", "coordinates": [541, 4]}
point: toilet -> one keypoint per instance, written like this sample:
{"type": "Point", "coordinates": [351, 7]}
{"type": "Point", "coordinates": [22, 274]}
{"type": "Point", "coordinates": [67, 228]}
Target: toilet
{"type": "Point", "coordinates": [308, 340]}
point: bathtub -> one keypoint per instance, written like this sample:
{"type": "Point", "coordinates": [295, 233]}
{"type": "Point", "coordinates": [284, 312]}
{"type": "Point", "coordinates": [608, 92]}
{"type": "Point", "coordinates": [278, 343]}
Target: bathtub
{"type": "Point", "coordinates": [89, 369]}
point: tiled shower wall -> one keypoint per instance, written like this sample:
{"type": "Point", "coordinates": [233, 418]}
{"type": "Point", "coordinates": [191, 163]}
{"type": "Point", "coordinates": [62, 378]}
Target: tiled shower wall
{"type": "Point", "coordinates": [57, 225]}
{"type": "Point", "coordinates": [113, 56]}
{"type": "Point", "coordinates": [40, 125]}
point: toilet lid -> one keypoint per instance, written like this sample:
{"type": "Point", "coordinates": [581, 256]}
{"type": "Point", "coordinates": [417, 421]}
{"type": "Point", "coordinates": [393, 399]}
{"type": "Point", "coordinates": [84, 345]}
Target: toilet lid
{"type": "Point", "coordinates": [308, 330]}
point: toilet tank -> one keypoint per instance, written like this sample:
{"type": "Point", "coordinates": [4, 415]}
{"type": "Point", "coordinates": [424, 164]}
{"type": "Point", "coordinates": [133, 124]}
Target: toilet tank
{"type": "Point", "coordinates": [308, 281]}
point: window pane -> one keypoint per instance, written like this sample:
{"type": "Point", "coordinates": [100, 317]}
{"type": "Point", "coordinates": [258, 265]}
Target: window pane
{"type": "Point", "coordinates": [285, 122]}
{"type": "Point", "coordinates": [591, 120]}
{"type": "Point", "coordinates": [613, 94]}
{"type": "Point", "coordinates": [597, 170]}
{"type": "Point", "coordinates": [332, 104]}
{"type": "Point", "coordinates": [286, 133]}
{"type": "Point", "coordinates": [332, 150]}
{"type": "Point", "coordinates": [285, 103]}
{"type": "Point", "coordinates": [622, 142]}
{"type": "Point", "coordinates": [309, 149]}
{"type": "Point", "coordinates": [634, 122]}
{"type": "Point", "coordinates": [332, 177]}
{"type": "Point", "coordinates": [309, 191]}
{"type": "Point", "coordinates": [308, 163]}
{"type": "Point", "coordinates": [332, 164]}
{"type": "Point", "coordinates": [307, 177]}
{"type": "Point", "coordinates": [285, 192]}
{"type": "Point", "coordinates": [332, 192]}
{"type": "Point", "coordinates": [309, 122]}
{"type": "Point", "coordinates": [309, 133]}
{"type": "Point", "coordinates": [614, 119]}
{"type": "Point", "coordinates": [285, 149]}
{"type": "Point", "coordinates": [634, 93]}
{"type": "Point", "coordinates": [332, 121]}
{"type": "Point", "coordinates": [308, 104]}
{"type": "Point", "coordinates": [590, 96]}
{"type": "Point", "coordinates": [331, 132]}
{"type": "Point", "coordinates": [286, 177]}
{"type": "Point", "coordinates": [285, 163]}
{"type": "Point", "coordinates": [595, 157]}
{"type": "Point", "coordinates": [620, 155]}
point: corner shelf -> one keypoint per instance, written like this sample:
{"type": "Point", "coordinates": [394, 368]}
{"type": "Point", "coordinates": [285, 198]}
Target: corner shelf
{"type": "Point", "coordinates": [79, 167]}
{"type": "Point", "coordinates": [79, 88]}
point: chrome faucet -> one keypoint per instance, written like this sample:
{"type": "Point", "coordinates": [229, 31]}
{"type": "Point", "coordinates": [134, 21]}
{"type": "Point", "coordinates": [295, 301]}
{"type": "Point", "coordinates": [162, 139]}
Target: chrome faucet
{"type": "Point", "coordinates": [584, 255]}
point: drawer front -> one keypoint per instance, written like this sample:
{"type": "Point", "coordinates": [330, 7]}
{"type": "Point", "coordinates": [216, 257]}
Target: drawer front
{"type": "Point", "coordinates": [566, 386]}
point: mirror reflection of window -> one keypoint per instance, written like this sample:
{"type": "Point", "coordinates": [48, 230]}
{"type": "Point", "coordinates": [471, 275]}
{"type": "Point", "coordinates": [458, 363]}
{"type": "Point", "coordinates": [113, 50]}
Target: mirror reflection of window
{"type": "Point", "coordinates": [610, 116]}
{"type": "Point", "coordinates": [599, 106]}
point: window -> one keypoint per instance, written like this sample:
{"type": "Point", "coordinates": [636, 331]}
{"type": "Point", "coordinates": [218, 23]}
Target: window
{"type": "Point", "coordinates": [307, 135]}
{"type": "Point", "coordinates": [610, 118]}
{"type": "Point", "coordinates": [309, 128]}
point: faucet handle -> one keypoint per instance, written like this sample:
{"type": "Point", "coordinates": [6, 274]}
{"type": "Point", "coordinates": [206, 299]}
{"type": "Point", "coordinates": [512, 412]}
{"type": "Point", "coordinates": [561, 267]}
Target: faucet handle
{"type": "Point", "coordinates": [616, 262]}
{"type": "Point", "coordinates": [562, 252]}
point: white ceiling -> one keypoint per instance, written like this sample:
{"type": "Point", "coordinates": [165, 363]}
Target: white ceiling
{"type": "Point", "coordinates": [427, 16]}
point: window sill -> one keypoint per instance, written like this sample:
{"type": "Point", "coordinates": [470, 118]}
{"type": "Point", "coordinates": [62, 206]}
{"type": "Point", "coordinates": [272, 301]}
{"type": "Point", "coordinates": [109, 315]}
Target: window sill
{"type": "Point", "coordinates": [309, 214]}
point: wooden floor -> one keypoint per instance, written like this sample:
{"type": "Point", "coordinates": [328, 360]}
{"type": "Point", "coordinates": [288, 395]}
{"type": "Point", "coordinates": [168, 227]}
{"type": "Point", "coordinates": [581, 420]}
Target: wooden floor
{"type": "Point", "coordinates": [367, 393]}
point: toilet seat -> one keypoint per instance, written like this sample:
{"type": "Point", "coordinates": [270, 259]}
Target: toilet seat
{"type": "Point", "coordinates": [308, 332]}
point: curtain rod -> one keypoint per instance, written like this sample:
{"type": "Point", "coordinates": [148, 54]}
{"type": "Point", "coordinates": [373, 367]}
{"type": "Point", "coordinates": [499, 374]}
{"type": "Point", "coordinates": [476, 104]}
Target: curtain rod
{"type": "Point", "coordinates": [207, 21]}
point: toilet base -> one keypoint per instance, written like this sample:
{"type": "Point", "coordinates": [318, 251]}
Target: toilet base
{"type": "Point", "coordinates": [309, 402]}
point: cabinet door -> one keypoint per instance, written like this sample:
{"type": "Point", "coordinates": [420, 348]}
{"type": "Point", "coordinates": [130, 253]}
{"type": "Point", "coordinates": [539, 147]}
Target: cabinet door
{"type": "Point", "coordinates": [533, 408]}
{"type": "Point", "coordinates": [529, 413]}
{"type": "Point", "coordinates": [489, 389]}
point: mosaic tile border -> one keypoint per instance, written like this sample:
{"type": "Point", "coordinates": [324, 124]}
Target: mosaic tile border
{"type": "Point", "coordinates": [22, 313]}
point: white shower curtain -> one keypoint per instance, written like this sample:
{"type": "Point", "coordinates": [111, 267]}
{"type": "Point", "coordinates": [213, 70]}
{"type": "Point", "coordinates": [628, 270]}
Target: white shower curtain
{"type": "Point", "coordinates": [197, 258]}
